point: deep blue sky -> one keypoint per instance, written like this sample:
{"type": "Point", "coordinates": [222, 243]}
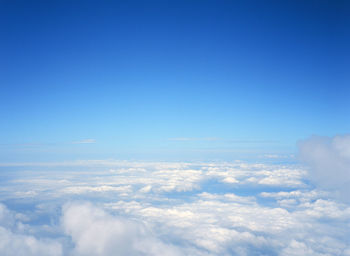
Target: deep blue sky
{"type": "Point", "coordinates": [227, 77]}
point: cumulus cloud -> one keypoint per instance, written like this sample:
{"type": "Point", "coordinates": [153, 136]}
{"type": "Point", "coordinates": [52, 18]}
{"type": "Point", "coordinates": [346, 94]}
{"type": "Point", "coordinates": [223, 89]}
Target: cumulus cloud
{"type": "Point", "coordinates": [329, 161]}
{"type": "Point", "coordinates": [18, 244]}
{"type": "Point", "coordinates": [227, 224]}
{"type": "Point", "coordinates": [135, 180]}
{"type": "Point", "coordinates": [95, 232]}
{"type": "Point", "coordinates": [164, 208]}
{"type": "Point", "coordinates": [15, 241]}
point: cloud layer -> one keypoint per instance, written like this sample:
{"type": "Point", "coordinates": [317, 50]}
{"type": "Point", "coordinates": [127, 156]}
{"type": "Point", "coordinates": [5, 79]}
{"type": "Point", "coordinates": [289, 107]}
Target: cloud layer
{"type": "Point", "coordinates": [160, 208]}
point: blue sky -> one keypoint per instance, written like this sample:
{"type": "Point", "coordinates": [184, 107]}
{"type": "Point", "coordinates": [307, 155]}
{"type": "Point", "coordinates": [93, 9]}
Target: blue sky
{"type": "Point", "coordinates": [170, 79]}
{"type": "Point", "coordinates": [174, 128]}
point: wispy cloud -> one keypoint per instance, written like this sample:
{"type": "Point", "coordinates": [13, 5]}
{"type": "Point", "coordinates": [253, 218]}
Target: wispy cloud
{"type": "Point", "coordinates": [231, 141]}
{"type": "Point", "coordinates": [277, 156]}
{"type": "Point", "coordinates": [194, 139]}
{"type": "Point", "coordinates": [252, 141]}
{"type": "Point", "coordinates": [29, 144]}
{"type": "Point", "coordinates": [85, 141]}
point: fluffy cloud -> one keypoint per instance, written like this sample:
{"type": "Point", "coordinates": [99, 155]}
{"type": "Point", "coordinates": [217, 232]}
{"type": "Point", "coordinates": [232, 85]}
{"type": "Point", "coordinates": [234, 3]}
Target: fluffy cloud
{"type": "Point", "coordinates": [15, 241]}
{"type": "Point", "coordinates": [329, 161]}
{"type": "Point", "coordinates": [95, 232]}
{"type": "Point", "coordinates": [228, 224]}
{"type": "Point", "coordinates": [142, 180]}
{"type": "Point", "coordinates": [135, 208]}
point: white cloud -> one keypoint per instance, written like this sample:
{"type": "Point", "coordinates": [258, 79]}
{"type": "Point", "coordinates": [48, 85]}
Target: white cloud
{"type": "Point", "coordinates": [15, 241]}
{"type": "Point", "coordinates": [85, 141]}
{"type": "Point", "coordinates": [95, 232]}
{"type": "Point", "coordinates": [137, 179]}
{"type": "Point", "coordinates": [94, 189]}
{"type": "Point", "coordinates": [237, 225]}
{"type": "Point", "coordinates": [194, 139]}
{"type": "Point", "coordinates": [17, 244]}
{"type": "Point", "coordinates": [164, 208]}
{"type": "Point", "coordinates": [277, 156]}
{"type": "Point", "coordinates": [329, 161]}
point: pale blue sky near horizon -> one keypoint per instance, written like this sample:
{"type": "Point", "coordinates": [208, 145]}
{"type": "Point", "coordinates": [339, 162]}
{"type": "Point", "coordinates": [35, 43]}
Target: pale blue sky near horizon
{"type": "Point", "coordinates": [170, 79]}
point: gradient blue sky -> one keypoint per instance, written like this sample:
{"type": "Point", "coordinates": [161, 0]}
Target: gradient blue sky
{"type": "Point", "coordinates": [170, 79]}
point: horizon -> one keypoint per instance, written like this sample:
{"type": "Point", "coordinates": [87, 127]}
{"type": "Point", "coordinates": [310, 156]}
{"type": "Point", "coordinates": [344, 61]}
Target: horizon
{"type": "Point", "coordinates": [174, 127]}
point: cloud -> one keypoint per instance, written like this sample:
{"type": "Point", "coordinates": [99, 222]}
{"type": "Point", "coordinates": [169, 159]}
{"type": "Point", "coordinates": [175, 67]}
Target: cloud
{"type": "Point", "coordinates": [85, 141]}
{"type": "Point", "coordinates": [134, 180]}
{"type": "Point", "coordinates": [231, 141]}
{"type": "Point", "coordinates": [276, 156]}
{"type": "Point", "coordinates": [172, 208]}
{"type": "Point", "coordinates": [194, 139]}
{"type": "Point", "coordinates": [17, 244]}
{"type": "Point", "coordinates": [227, 224]}
{"type": "Point", "coordinates": [15, 241]}
{"type": "Point", "coordinates": [94, 189]}
{"type": "Point", "coordinates": [95, 232]}
{"type": "Point", "coordinates": [329, 161]}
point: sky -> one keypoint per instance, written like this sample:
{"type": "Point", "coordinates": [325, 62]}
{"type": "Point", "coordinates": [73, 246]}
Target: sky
{"type": "Point", "coordinates": [174, 128]}
{"type": "Point", "coordinates": [178, 80]}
